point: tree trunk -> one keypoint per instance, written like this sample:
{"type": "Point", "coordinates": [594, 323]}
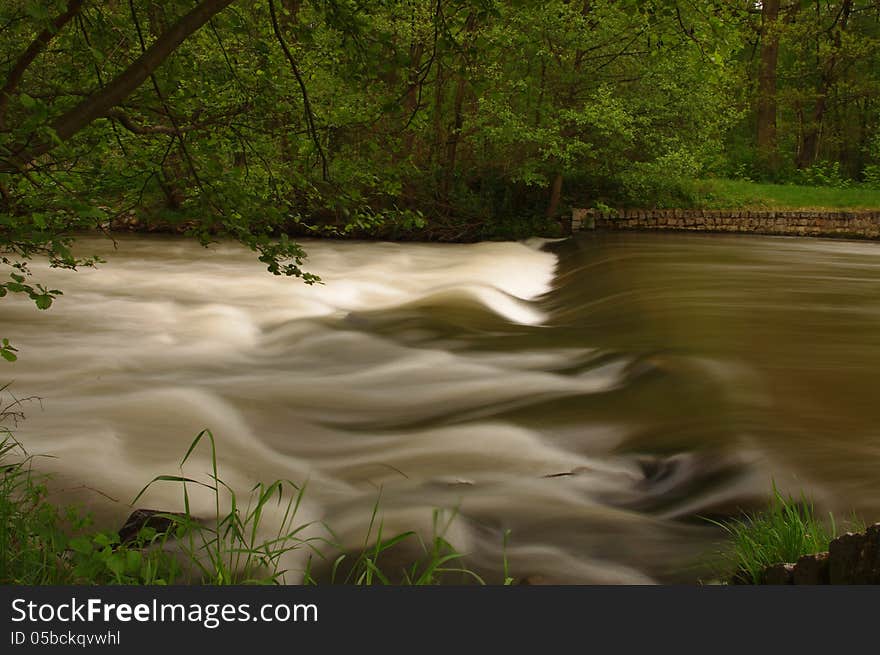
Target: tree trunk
{"type": "Point", "coordinates": [555, 196]}
{"type": "Point", "coordinates": [768, 154]}
{"type": "Point", "coordinates": [808, 152]}
{"type": "Point", "coordinates": [411, 104]}
{"type": "Point", "coordinates": [439, 91]}
{"type": "Point", "coordinates": [458, 119]}
{"type": "Point", "coordinates": [289, 19]}
{"type": "Point", "coordinates": [173, 176]}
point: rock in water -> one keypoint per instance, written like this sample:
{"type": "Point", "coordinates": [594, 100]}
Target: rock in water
{"type": "Point", "coordinates": [146, 518]}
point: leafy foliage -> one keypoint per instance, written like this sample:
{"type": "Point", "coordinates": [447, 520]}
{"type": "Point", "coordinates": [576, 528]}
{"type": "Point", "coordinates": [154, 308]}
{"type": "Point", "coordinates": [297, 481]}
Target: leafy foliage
{"type": "Point", "coordinates": [346, 112]}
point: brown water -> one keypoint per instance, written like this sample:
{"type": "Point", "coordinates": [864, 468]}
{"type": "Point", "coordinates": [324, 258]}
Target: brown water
{"type": "Point", "coordinates": [594, 396]}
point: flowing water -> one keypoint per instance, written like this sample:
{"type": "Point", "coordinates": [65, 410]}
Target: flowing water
{"type": "Point", "coordinates": [595, 396]}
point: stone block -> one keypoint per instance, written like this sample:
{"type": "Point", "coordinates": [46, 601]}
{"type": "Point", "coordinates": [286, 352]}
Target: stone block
{"type": "Point", "coordinates": [779, 574]}
{"type": "Point", "coordinates": [811, 570]}
{"type": "Point", "coordinates": [844, 554]}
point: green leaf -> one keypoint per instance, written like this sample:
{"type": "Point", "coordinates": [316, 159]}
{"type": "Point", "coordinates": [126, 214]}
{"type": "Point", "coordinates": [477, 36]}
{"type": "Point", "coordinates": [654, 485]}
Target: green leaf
{"type": "Point", "coordinates": [102, 540]}
{"type": "Point", "coordinates": [43, 302]}
{"type": "Point", "coordinates": [116, 564]}
{"type": "Point", "coordinates": [37, 10]}
{"type": "Point", "coordinates": [146, 534]}
{"type": "Point", "coordinates": [26, 101]}
{"type": "Point", "coordinates": [7, 355]}
{"type": "Point", "coordinates": [133, 560]}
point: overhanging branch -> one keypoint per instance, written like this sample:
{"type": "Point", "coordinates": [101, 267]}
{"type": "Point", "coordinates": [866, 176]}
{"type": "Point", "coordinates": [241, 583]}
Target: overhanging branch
{"type": "Point", "coordinates": [32, 52]}
{"type": "Point", "coordinates": [118, 89]}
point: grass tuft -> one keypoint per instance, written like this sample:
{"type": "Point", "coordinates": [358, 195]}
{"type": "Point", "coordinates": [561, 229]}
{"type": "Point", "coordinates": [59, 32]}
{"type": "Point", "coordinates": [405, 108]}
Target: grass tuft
{"type": "Point", "coordinates": [438, 561]}
{"type": "Point", "coordinates": [784, 532]}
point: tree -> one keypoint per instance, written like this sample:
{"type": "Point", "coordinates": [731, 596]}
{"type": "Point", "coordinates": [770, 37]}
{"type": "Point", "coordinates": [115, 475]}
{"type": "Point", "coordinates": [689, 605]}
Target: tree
{"type": "Point", "coordinates": [768, 155]}
{"type": "Point", "coordinates": [28, 229]}
{"type": "Point", "coordinates": [19, 155]}
{"type": "Point", "coordinates": [815, 76]}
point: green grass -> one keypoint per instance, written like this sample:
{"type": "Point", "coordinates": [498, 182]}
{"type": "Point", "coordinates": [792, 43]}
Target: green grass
{"type": "Point", "coordinates": [784, 532]}
{"type": "Point", "coordinates": [438, 562]}
{"type": "Point", "coordinates": [233, 547]}
{"type": "Point", "coordinates": [43, 544]}
{"type": "Point", "coordinates": [742, 194]}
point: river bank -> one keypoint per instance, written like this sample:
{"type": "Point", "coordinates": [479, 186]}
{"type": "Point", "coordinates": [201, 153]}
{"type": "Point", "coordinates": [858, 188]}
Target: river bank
{"type": "Point", "coordinates": [850, 224]}
{"type": "Point", "coordinates": [332, 229]}
{"type": "Point", "coordinates": [713, 205]}
{"type": "Point", "coordinates": [850, 559]}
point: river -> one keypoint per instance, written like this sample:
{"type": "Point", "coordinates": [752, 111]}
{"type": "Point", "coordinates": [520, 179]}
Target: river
{"type": "Point", "coordinates": [598, 397]}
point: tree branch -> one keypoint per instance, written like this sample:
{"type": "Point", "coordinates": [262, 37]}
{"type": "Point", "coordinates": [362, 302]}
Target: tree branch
{"type": "Point", "coordinates": [126, 122]}
{"type": "Point", "coordinates": [310, 117]}
{"type": "Point", "coordinates": [118, 89]}
{"type": "Point", "coordinates": [33, 50]}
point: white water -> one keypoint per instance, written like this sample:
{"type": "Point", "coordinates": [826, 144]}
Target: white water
{"type": "Point", "coordinates": [168, 339]}
{"type": "Point", "coordinates": [457, 376]}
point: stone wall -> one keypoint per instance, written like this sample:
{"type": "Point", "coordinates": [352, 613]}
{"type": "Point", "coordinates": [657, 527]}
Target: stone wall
{"type": "Point", "coordinates": [843, 224]}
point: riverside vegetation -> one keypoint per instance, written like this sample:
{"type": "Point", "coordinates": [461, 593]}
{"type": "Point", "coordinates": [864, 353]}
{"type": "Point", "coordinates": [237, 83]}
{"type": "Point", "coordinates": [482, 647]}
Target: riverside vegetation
{"type": "Point", "coordinates": [784, 532]}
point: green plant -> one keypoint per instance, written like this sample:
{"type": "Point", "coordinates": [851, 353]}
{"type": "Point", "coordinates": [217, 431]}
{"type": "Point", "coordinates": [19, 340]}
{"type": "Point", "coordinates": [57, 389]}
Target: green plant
{"type": "Point", "coordinates": [666, 182]}
{"type": "Point", "coordinates": [871, 176]}
{"type": "Point", "coordinates": [823, 174]}
{"type": "Point", "coordinates": [43, 544]}
{"type": "Point", "coordinates": [439, 560]}
{"type": "Point", "coordinates": [30, 541]}
{"type": "Point", "coordinates": [602, 208]}
{"type": "Point", "coordinates": [508, 581]}
{"type": "Point", "coordinates": [231, 548]}
{"type": "Point", "coordinates": [101, 558]}
{"type": "Point", "coordinates": [785, 531]}
{"type": "Point", "coordinates": [7, 351]}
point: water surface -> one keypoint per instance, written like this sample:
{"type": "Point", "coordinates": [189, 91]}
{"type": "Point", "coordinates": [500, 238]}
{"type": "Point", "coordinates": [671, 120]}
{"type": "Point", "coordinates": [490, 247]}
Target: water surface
{"type": "Point", "coordinates": [595, 397]}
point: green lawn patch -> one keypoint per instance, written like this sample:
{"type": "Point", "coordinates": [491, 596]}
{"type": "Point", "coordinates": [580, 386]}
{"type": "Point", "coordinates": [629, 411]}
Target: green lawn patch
{"type": "Point", "coordinates": [742, 194]}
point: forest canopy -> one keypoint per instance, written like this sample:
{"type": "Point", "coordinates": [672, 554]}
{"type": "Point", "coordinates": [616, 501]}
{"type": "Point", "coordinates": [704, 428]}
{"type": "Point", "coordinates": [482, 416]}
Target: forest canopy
{"type": "Point", "coordinates": [263, 119]}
